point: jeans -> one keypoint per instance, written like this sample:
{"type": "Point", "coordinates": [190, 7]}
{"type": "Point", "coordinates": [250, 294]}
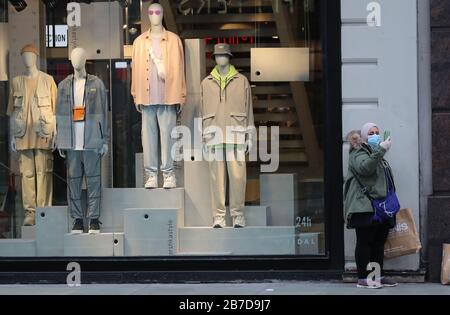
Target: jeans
{"type": "Point", "coordinates": [84, 164]}
{"type": "Point", "coordinates": [370, 247]}
{"type": "Point", "coordinates": [158, 121]}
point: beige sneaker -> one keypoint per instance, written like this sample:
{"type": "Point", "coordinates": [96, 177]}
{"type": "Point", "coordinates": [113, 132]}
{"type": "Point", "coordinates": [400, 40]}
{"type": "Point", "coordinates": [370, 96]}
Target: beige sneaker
{"type": "Point", "coordinates": [29, 218]}
{"type": "Point", "coordinates": [219, 222]}
{"type": "Point", "coordinates": [152, 181]}
{"type": "Point", "coordinates": [239, 221]}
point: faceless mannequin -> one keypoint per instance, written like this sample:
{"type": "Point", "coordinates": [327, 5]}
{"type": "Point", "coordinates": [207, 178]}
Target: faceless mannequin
{"type": "Point", "coordinates": [30, 61]}
{"type": "Point", "coordinates": [156, 31]}
{"type": "Point", "coordinates": [223, 61]}
{"type": "Point", "coordinates": [78, 58]}
{"type": "Point", "coordinates": [31, 71]}
{"type": "Point", "coordinates": [156, 19]}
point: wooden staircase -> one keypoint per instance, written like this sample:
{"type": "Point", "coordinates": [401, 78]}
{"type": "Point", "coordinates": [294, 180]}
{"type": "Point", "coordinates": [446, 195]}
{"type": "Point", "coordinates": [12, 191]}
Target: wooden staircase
{"type": "Point", "coordinates": [259, 23]}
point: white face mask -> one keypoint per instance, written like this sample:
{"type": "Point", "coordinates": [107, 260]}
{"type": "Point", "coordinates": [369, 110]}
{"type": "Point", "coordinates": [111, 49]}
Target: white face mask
{"type": "Point", "coordinates": [222, 60]}
{"type": "Point", "coordinates": [374, 140]}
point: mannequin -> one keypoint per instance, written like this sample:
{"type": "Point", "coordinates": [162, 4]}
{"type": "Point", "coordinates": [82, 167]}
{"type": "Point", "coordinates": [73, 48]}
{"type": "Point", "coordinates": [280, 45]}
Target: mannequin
{"type": "Point", "coordinates": [31, 72]}
{"type": "Point", "coordinates": [32, 109]}
{"type": "Point", "coordinates": [83, 127]}
{"type": "Point", "coordinates": [159, 90]}
{"type": "Point", "coordinates": [227, 128]}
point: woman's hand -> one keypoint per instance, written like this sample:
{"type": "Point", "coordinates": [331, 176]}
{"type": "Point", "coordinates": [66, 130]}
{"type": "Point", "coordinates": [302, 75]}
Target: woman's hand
{"type": "Point", "coordinates": [386, 144]}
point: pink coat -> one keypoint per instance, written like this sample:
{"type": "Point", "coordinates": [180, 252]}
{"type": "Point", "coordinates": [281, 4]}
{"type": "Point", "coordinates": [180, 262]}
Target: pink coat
{"type": "Point", "coordinates": [173, 55]}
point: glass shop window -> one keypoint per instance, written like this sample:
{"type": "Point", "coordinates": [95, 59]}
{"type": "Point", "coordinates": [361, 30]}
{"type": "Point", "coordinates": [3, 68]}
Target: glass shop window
{"type": "Point", "coordinates": [110, 113]}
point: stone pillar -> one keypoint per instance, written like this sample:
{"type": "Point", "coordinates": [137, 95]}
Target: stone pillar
{"type": "Point", "coordinates": [439, 203]}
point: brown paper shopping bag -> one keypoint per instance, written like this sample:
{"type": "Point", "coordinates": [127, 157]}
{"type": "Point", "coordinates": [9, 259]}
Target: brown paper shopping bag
{"type": "Point", "coordinates": [403, 239]}
{"type": "Point", "coordinates": [445, 270]}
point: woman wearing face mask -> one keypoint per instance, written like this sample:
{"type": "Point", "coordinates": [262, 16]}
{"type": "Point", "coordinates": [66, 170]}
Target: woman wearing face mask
{"type": "Point", "coordinates": [367, 164]}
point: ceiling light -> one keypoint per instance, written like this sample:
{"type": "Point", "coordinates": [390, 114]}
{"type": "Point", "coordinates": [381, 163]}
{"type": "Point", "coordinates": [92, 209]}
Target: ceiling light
{"type": "Point", "coordinates": [19, 5]}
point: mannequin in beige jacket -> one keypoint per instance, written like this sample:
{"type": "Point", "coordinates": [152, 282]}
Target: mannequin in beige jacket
{"type": "Point", "coordinates": [227, 130]}
{"type": "Point", "coordinates": [31, 106]}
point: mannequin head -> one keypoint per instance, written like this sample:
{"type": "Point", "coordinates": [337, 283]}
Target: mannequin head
{"type": "Point", "coordinates": [222, 54]}
{"type": "Point", "coordinates": [29, 59]}
{"type": "Point", "coordinates": [222, 60]}
{"type": "Point", "coordinates": [78, 59]}
{"type": "Point", "coordinates": [155, 14]}
{"type": "Point", "coordinates": [29, 55]}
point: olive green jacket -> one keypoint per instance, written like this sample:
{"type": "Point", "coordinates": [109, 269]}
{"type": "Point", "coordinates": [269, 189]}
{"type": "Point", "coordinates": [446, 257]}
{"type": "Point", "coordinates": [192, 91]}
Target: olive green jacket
{"type": "Point", "coordinates": [369, 165]}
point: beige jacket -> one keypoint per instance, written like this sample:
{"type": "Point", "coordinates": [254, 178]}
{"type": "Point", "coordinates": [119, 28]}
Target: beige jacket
{"type": "Point", "coordinates": [41, 125]}
{"type": "Point", "coordinates": [229, 107]}
{"type": "Point", "coordinates": [173, 55]}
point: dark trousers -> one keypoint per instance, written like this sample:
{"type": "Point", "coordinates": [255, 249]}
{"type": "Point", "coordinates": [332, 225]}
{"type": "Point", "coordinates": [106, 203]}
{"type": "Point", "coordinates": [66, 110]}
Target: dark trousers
{"type": "Point", "coordinates": [370, 247]}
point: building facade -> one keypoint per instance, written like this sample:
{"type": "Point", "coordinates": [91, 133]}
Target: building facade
{"type": "Point", "coordinates": [380, 61]}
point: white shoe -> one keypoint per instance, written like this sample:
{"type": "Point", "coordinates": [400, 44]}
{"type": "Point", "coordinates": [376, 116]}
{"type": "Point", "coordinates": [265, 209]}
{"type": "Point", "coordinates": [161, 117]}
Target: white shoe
{"type": "Point", "coordinates": [170, 181]}
{"type": "Point", "coordinates": [219, 222]}
{"type": "Point", "coordinates": [152, 181]}
{"type": "Point", "coordinates": [239, 221]}
{"type": "Point", "coordinates": [364, 284]}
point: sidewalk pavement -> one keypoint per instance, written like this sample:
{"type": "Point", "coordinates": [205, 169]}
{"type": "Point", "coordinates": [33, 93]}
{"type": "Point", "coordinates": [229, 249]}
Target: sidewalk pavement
{"type": "Point", "coordinates": [235, 288]}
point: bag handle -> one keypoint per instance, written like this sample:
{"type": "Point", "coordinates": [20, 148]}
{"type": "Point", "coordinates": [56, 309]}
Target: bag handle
{"type": "Point", "coordinates": [364, 189]}
{"type": "Point", "coordinates": [389, 177]}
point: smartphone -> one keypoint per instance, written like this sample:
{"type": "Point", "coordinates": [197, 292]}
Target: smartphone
{"type": "Point", "coordinates": [387, 134]}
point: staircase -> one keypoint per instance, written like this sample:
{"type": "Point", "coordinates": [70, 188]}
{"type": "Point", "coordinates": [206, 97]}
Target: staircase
{"type": "Point", "coordinates": [261, 23]}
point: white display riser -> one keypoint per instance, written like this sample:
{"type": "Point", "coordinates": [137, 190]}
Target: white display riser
{"type": "Point", "coordinates": [150, 232]}
{"type": "Point", "coordinates": [197, 194]}
{"type": "Point", "coordinates": [28, 232]}
{"type": "Point", "coordinates": [116, 200]}
{"type": "Point", "coordinates": [17, 248]}
{"type": "Point", "coordinates": [52, 223]}
{"type": "Point", "coordinates": [242, 241]}
{"type": "Point", "coordinates": [198, 210]}
{"type": "Point", "coordinates": [308, 243]}
{"type": "Point", "coordinates": [279, 192]}
{"type": "Point", "coordinates": [93, 245]}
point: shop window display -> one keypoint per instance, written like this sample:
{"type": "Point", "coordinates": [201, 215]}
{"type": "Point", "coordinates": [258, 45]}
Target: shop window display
{"type": "Point", "coordinates": [108, 130]}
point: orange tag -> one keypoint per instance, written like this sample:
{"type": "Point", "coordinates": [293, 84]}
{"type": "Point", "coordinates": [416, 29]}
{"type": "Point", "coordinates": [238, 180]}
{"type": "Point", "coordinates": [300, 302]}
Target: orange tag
{"type": "Point", "coordinates": [78, 113]}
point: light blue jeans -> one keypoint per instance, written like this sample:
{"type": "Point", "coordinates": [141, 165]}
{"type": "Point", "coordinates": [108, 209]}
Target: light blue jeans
{"type": "Point", "coordinates": [158, 122]}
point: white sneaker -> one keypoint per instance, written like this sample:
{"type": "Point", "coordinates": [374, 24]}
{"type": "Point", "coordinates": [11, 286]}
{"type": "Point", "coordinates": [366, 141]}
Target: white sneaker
{"type": "Point", "coordinates": [239, 221]}
{"type": "Point", "coordinates": [152, 181]}
{"type": "Point", "coordinates": [170, 181]}
{"type": "Point", "coordinates": [219, 222]}
{"type": "Point", "coordinates": [364, 284]}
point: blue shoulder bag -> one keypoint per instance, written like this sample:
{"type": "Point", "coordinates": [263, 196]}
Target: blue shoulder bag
{"type": "Point", "coordinates": [384, 208]}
